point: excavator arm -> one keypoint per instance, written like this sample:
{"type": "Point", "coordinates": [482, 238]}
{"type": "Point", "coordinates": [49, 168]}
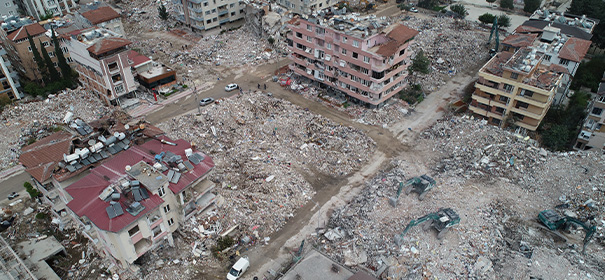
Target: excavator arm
{"type": "Point", "coordinates": [413, 223]}
{"type": "Point", "coordinates": [590, 230]}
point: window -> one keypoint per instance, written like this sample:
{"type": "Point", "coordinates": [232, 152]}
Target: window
{"type": "Point", "coordinates": [329, 46]}
{"type": "Point", "coordinates": [597, 111]}
{"type": "Point", "coordinates": [69, 60]}
{"type": "Point", "coordinates": [514, 76]}
{"type": "Point", "coordinates": [161, 191]}
{"type": "Point", "coordinates": [207, 12]}
{"type": "Point", "coordinates": [547, 57]}
{"type": "Point", "coordinates": [508, 88]}
{"type": "Point", "coordinates": [209, 21]}
{"type": "Point", "coordinates": [355, 55]}
{"type": "Point", "coordinates": [504, 99]}
{"type": "Point", "coordinates": [496, 121]}
{"type": "Point", "coordinates": [527, 93]}
{"type": "Point", "coordinates": [119, 88]}
{"type": "Point", "coordinates": [563, 61]}
{"type": "Point", "coordinates": [366, 59]}
{"type": "Point", "coordinates": [29, 49]}
{"type": "Point", "coordinates": [401, 52]}
{"type": "Point", "coordinates": [45, 44]}
{"type": "Point", "coordinates": [298, 35]}
{"type": "Point", "coordinates": [309, 27]}
{"type": "Point", "coordinates": [309, 39]}
{"type": "Point", "coordinates": [344, 39]}
{"type": "Point", "coordinates": [133, 230]}
{"type": "Point", "coordinates": [232, 5]}
{"type": "Point", "coordinates": [500, 110]}
{"type": "Point", "coordinates": [170, 222]}
{"type": "Point", "coordinates": [116, 78]}
{"type": "Point", "coordinates": [521, 105]}
{"type": "Point", "coordinates": [205, 4]}
{"type": "Point", "coordinates": [51, 54]}
{"type": "Point", "coordinates": [343, 51]}
{"type": "Point", "coordinates": [232, 14]}
{"type": "Point", "coordinates": [355, 43]}
{"type": "Point", "coordinates": [54, 64]}
{"type": "Point", "coordinates": [8, 4]}
{"type": "Point", "coordinates": [167, 208]}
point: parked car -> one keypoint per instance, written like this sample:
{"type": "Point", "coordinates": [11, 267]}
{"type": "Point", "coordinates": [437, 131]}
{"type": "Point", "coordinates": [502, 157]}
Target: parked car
{"type": "Point", "coordinates": [206, 101]}
{"type": "Point", "coordinates": [231, 87]}
{"type": "Point", "coordinates": [238, 269]}
{"type": "Point", "coordinates": [413, 10]}
{"type": "Point", "coordinates": [13, 195]}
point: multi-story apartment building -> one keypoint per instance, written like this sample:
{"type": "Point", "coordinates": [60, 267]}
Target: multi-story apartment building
{"type": "Point", "coordinates": [592, 135]}
{"type": "Point", "coordinates": [8, 78]}
{"type": "Point", "coordinates": [207, 14]}
{"type": "Point", "coordinates": [101, 59]}
{"type": "Point", "coordinates": [127, 200]}
{"type": "Point", "coordinates": [19, 50]}
{"type": "Point", "coordinates": [100, 16]}
{"type": "Point", "coordinates": [561, 51]}
{"type": "Point", "coordinates": [364, 60]}
{"type": "Point", "coordinates": [306, 7]}
{"type": "Point", "coordinates": [515, 89]}
{"type": "Point", "coordinates": [8, 8]}
{"type": "Point", "coordinates": [40, 8]}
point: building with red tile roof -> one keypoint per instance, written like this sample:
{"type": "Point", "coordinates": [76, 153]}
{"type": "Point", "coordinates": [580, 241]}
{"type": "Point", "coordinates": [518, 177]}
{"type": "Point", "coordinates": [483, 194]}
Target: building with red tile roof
{"type": "Point", "coordinates": [362, 60]}
{"type": "Point", "coordinates": [100, 15]}
{"type": "Point", "coordinates": [42, 157]}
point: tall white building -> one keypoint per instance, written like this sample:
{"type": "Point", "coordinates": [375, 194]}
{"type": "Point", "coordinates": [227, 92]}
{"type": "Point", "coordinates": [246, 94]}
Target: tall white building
{"type": "Point", "coordinates": [208, 14]}
{"type": "Point", "coordinates": [8, 8]}
{"type": "Point", "coordinates": [39, 8]}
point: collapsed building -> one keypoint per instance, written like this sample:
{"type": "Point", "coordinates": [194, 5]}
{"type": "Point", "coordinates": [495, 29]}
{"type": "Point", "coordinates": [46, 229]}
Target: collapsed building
{"type": "Point", "coordinates": [125, 186]}
{"type": "Point", "coordinates": [360, 58]}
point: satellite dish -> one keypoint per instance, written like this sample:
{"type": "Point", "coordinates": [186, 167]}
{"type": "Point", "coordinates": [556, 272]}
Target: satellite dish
{"type": "Point", "coordinates": [126, 127]}
{"type": "Point", "coordinates": [128, 168]}
{"type": "Point", "coordinates": [92, 142]}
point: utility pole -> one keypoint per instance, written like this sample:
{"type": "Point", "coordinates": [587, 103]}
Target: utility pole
{"type": "Point", "coordinates": [196, 98]}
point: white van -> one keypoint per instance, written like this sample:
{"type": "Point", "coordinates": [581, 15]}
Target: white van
{"type": "Point", "coordinates": [238, 268]}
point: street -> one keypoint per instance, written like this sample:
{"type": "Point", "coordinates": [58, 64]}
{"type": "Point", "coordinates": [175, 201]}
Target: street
{"type": "Point", "coordinates": [13, 184]}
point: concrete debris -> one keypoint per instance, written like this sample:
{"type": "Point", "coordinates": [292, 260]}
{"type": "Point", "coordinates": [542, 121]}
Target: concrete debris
{"type": "Point", "coordinates": [259, 137]}
{"type": "Point", "coordinates": [498, 202]}
{"type": "Point", "coordinates": [29, 121]}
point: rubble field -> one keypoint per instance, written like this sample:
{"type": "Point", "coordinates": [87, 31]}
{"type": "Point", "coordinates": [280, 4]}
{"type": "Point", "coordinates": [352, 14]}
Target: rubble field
{"type": "Point", "coordinates": [498, 203]}
{"type": "Point", "coordinates": [29, 121]}
{"type": "Point", "coordinates": [262, 147]}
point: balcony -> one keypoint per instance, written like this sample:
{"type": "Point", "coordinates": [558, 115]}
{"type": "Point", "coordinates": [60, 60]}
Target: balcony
{"type": "Point", "coordinates": [223, 12]}
{"type": "Point", "coordinates": [223, 21]}
{"type": "Point", "coordinates": [531, 101]}
{"type": "Point", "coordinates": [526, 112]}
{"type": "Point", "coordinates": [196, 1]}
{"type": "Point", "coordinates": [142, 246]}
{"type": "Point", "coordinates": [479, 109]}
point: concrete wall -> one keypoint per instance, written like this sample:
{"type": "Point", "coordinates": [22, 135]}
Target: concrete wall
{"type": "Point", "coordinates": [208, 14]}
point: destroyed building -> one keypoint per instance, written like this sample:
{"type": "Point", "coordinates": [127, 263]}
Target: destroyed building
{"type": "Point", "coordinates": [125, 195]}
{"type": "Point", "coordinates": [592, 135]}
{"type": "Point", "coordinates": [9, 78]}
{"type": "Point", "coordinates": [305, 7]}
{"type": "Point", "coordinates": [515, 89]}
{"type": "Point", "coordinates": [562, 52]}
{"type": "Point", "coordinates": [204, 14]}
{"type": "Point", "coordinates": [361, 58]}
{"type": "Point", "coordinates": [102, 62]}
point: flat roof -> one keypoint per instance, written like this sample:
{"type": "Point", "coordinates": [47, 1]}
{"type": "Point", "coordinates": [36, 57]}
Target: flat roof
{"type": "Point", "coordinates": [317, 266]}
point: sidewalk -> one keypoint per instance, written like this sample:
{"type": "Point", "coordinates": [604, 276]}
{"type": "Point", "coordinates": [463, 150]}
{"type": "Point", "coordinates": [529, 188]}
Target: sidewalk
{"type": "Point", "coordinates": [11, 171]}
{"type": "Point", "coordinates": [150, 108]}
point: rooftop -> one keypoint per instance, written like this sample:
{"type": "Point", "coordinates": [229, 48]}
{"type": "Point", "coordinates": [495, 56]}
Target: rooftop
{"type": "Point", "coordinates": [108, 195]}
{"type": "Point", "coordinates": [12, 23]}
{"type": "Point", "coordinates": [42, 157]}
{"type": "Point", "coordinates": [105, 45]}
{"type": "Point", "coordinates": [574, 49]}
{"type": "Point", "coordinates": [21, 33]}
{"type": "Point", "coordinates": [137, 58]}
{"type": "Point", "coordinates": [317, 266]}
{"type": "Point", "coordinates": [579, 22]}
{"type": "Point", "coordinates": [101, 14]}
{"type": "Point", "coordinates": [525, 61]}
{"type": "Point", "coordinates": [520, 40]}
{"type": "Point", "coordinates": [565, 29]}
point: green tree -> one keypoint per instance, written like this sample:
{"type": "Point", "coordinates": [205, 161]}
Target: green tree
{"type": "Point", "coordinates": [507, 4]}
{"type": "Point", "coordinates": [37, 59]}
{"type": "Point", "coordinates": [33, 192]}
{"type": "Point", "coordinates": [420, 63]}
{"type": "Point", "coordinates": [54, 74]}
{"type": "Point", "coordinates": [556, 138]}
{"type": "Point", "coordinates": [163, 12]}
{"type": "Point", "coordinates": [404, 6]}
{"type": "Point", "coordinates": [487, 18]}
{"type": "Point", "coordinates": [65, 69]}
{"type": "Point", "coordinates": [271, 40]}
{"type": "Point", "coordinates": [592, 9]}
{"type": "Point", "coordinates": [531, 5]}
{"type": "Point", "coordinates": [459, 9]}
{"type": "Point", "coordinates": [428, 4]}
{"type": "Point", "coordinates": [503, 20]}
{"type": "Point", "coordinates": [589, 74]}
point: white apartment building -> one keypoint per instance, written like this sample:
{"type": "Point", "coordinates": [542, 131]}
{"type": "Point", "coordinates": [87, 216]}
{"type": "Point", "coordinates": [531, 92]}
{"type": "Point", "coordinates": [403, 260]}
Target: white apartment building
{"type": "Point", "coordinates": [207, 14]}
{"type": "Point", "coordinates": [39, 8]}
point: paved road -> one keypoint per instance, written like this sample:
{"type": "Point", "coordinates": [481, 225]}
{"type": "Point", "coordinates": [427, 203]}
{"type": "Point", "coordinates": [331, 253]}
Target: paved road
{"type": "Point", "coordinates": [13, 184]}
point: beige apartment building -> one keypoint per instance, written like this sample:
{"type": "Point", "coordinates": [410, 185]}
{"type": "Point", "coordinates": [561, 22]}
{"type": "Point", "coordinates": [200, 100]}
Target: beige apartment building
{"type": "Point", "coordinates": [592, 135]}
{"type": "Point", "coordinates": [20, 54]}
{"type": "Point", "coordinates": [515, 89]}
{"type": "Point", "coordinates": [207, 14]}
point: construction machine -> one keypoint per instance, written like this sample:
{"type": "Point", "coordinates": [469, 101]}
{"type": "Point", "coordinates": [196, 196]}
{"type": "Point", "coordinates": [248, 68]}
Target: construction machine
{"type": "Point", "coordinates": [554, 222]}
{"type": "Point", "coordinates": [442, 221]}
{"type": "Point", "coordinates": [420, 185]}
{"type": "Point", "coordinates": [494, 31]}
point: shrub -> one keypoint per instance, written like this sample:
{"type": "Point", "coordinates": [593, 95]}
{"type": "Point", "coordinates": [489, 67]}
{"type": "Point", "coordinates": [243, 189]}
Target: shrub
{"type": "Point", "coordinates": [459, 9]}
{"type": "Point", "coordinates": [487, 18]}
{"type": "Point", "coordinates": [41, 216]}
{"type": "Point", "coordinates": [507, 4]}
{"type": "Point", "coordinates": [503, 20]}
{"type": "Point", "coordinates": [420, 63]}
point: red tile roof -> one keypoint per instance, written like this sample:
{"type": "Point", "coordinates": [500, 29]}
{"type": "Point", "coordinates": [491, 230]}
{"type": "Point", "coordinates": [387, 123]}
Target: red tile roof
{"type": "Point", "coordinates": [41, 158]}
{"type": "Point", "coordinates": [100, 15]}
{"type": "Point", "coordinates": [558, 68]}
{"type": "Point", "coordinates": [574, 49]}
{"type": "Point", "coordinates": [397, 36]}
{"type": "Point", "coordinates": [85, 192]}
{"type": "Point", "coordinates": [527, 29]}
{"type": "Point", "coordinates": [33, 30]}
{"type": "Point", "coordinates": [108, 44]}
{"type": "Point", "coordinates": [520, 40]}
{"type": "Point", "coordinates": [137, 58]}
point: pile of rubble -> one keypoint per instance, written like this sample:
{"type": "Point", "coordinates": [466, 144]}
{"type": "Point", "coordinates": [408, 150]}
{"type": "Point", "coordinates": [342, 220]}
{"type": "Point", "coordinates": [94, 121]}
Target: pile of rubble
{"type": "Point", "coordinates": [263, 147]}
{"type": "Point", "coordinates": [472, 148]}
{"type": "Point", "coordinates": [26, 122]}
{"type": "Point", "coordinates": [451, 46]}
{"type": "Point", "coordinates": [498, 234]}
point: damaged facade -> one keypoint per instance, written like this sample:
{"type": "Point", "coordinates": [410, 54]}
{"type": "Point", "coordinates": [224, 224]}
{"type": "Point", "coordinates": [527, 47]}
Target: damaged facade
{"type": "Point", "coordinates": [205, 14]}
{"type": "Point", "coordinates": [592, 135]}
{"type": "Point", "coordinates": [361, 58]}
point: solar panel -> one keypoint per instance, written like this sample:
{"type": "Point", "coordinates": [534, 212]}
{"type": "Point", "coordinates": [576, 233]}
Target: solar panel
{"type": "Point", "coordinates": [104, 154]}
{"type": "Point", "coordinates": [114, 210]}
{"type": "Point", "coordinates": [135, 208]}
{"type": "Point", "coordinates": [77, 165]}
{"type": "Point", "coordinates": [85, 162]}
{"type": "Point", "coordinates": [70, 168]}
{"type": "Point", "coordinates": [113, 150]}
{"type": "Point", "coordinates": [137, 194]}
{"type": "Point", "coordinates": [175, 179]}
{"type": "Point", "coordinates": [144, 193]}
{"type": "Point", "coordinates": [170, 175]}
{"type": "Point", "coordinates": [188, 165]}
{"type": "Point", "coordinates": [135, 183]}
{"type": "Point", "coordinates": [196, 158]}
{"type": "Point", "coordinates": [97, 156]}
{"type": "Point", "coordinates": [126, 142]}
{"type": "Point", "coordinates": [92, 159]}
{"type": "Point", "coordinates": [119, 146]}
{"type": "Point", "coordinates": [81, 131]}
